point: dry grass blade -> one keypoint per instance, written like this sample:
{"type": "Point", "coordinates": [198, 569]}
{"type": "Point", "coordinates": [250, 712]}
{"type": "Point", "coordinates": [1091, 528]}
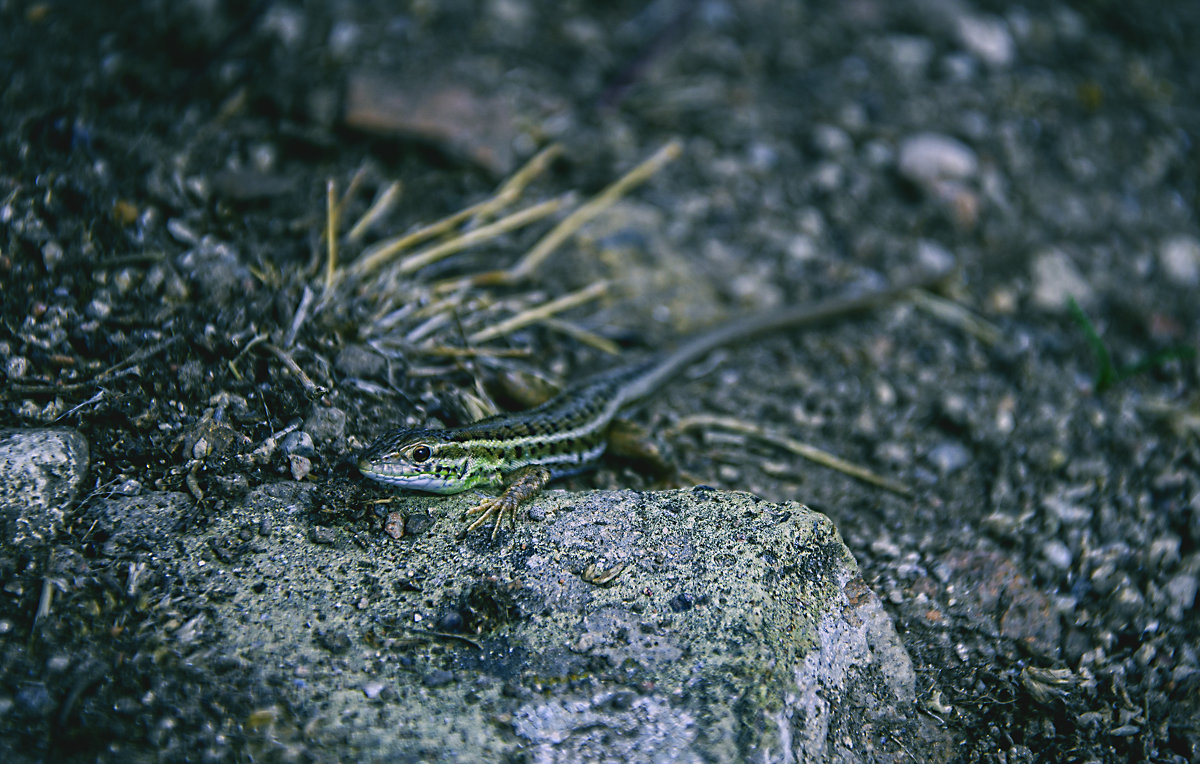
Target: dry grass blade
{"type": "Point", "coordinates": [332, 213]}
{"type": "Point", "coordinates": [512, 188]}
{"type": "Point", "coordinates": [955, 314]}
{"type": "Point", "coordinates": [540, 312]}
{"type": "Point", "coordinates": [803, 450]}
{"type": "Point", "coordinates": [478, 236]}
{"type": "Point", "coordinates": [602, 201]}
{"type": "Point", "coordinates": [382, 205]}
{"type": "Point", "coordinates": [572, 223]}
{"type": "Point", "coordinates": [591, 339]}
{"type": "Point", "coordinates": [380, 253]}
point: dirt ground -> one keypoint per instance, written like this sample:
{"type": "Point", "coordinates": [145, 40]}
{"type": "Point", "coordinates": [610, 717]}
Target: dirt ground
{"type": "Point", "coordinates": [166, 289]}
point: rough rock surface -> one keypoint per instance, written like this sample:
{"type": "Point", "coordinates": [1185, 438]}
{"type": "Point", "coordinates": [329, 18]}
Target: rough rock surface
{"type": "Point", "coordinates": [40, 473]}
{"type": "Point", "coordinates": [735, 629]}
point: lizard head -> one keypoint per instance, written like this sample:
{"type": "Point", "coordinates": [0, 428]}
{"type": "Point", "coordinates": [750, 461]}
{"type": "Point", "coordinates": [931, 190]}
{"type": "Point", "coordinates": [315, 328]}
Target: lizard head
{"type": "Point", "coordinates": [423, 460]}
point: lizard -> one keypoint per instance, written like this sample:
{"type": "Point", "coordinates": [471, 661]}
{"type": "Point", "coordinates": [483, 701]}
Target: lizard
{"type": "Point", "coordinates": [523, 451]}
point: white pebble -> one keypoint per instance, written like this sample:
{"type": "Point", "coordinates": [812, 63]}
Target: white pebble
{"type": "Point", "coordinates": [926, 158]}
{"type": "Point", "coordinates": [1180, 259]}
{"type": "Point", "coordinates": [1056, 280]}
{"type": "Point", "coordinates": [988, 39]}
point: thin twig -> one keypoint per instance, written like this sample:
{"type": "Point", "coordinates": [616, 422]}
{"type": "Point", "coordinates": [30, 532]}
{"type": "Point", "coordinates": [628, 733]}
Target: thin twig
{"type": "Point", "coordinates": [233, 361]}
{"type": "Point", "coordinates": [137, 357]}
{"type": "Point", "coordinates": [352, 187]}
{"type": "Point", "coordinates": [99, 396]}
{"type": "Point", "coordinates": [540, 312]}
{"type": "Point", "coordinates": [301, 316]}
{"type": "Point", "coordinates": [803, 450]}
{"type": "Point", "coordinates": [311, 389]}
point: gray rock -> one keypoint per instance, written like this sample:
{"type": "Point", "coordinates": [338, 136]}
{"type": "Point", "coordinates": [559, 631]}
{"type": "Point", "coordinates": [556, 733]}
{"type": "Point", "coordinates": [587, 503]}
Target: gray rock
{"type": "Point", "coordinates": [674, 626]}
{"type": "Point", "coordinates": [40, 474]}
{"type": "Point", "coordinates": [298, 443]}
{"type": "Point", "coordinates": [326, 424]}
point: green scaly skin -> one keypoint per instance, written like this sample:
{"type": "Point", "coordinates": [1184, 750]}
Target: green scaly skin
{"type": "Point", "coordinates": [523, 451]}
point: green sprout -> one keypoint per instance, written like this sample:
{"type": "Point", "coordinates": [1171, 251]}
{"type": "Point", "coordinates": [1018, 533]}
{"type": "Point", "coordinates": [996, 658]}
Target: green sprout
{"type": "Point", "coordinates": [1107, 374]}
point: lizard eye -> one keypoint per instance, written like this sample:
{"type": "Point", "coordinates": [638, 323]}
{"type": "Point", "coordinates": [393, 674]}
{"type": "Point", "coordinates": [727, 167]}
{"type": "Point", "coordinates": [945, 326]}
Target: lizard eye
{"type": "Point", "coordinates": [421, 453]}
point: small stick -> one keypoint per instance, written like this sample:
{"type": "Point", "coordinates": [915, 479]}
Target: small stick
{"type": "Point", "coordinates": [301, 316]}
{"type": "Point", "coordinates": [99, 396]}
{"type": "Point", "coordinates": [137, 357]}
{"type": "Point", "coordinates": [233, 361]}
{"type": "Point", "coordinates": [803, 450]}
{"type": "Point", "coordinates": [352, 187]}
{"type": "Point", "coordinates": [311, 389]}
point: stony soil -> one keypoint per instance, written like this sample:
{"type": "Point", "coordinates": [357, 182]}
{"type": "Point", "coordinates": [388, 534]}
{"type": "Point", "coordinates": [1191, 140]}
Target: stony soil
{"type": "Point", "coordinates": [163, 169]}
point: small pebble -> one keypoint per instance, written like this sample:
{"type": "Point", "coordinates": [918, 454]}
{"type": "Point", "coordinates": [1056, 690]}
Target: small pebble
{"type": "Point", "coordinates": [831, 140]}
{"type": "Point", "coordinates": [416, 524]}
{"type": "Point", "coordinates": [98, 309]}
{"type": "Point", "coordinates": [988, 38]}
{"type": "Point", "coordinates": [298, 442]}
{"type": "Point", "coordinates": [1182, 591]}
{"type": "Point", "coordinates": [1058, 554]}
{"type": "Point", "coordinates": [909, 56]}
{"type": "Point", "coordinates": [17, 367]}
{"type": "Point", "coordinates": [949, 457]}
{"type": "Point", "coordinates": [394, 525]}
{"type": "Point", "coordinates": [300, 466]}
{"type": "Point", "coordinates": [1056, 280]}
{"type": "Point", "coordinates": [322, 535]}
{"type": "Point", "coordinates": [52, 255]}
{"type": "Point", "coordinates": [1067, 513]}
{"type": "Point", "coordinates": [35, 700]}
{"type": "Point", "coordinates": [925, 158]}
{"type": "Point", "coordinates": [326, 424]}
{"type": "Point", "coordinates": [1180, 260]}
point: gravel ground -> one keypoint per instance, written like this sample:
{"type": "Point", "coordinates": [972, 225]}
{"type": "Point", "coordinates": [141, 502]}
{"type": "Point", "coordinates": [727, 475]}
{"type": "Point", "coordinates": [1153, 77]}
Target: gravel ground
{"type": "Point", "coordinates": [163, 172]}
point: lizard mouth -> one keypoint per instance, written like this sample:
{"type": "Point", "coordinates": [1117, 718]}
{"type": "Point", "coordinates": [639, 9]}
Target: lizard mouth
{"type": "Point", "coordinates": [414, 481]}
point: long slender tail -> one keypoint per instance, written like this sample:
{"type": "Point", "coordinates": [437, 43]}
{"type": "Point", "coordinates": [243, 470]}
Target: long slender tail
{"type": "Point", "coordinates": [758, 324]}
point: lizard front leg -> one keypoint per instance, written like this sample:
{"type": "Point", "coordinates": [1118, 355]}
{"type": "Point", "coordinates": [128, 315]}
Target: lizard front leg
{"type": "Point", "coordinates": [520, 486]}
